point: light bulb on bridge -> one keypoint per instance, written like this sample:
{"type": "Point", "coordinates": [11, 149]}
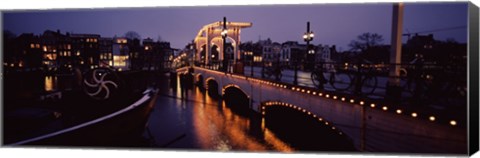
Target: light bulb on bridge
{"type": "Point", "coordinates": [399, 111]}
{"type": "Point", "coordinates": [453, 122]}
{"type": "Point", "coordinates": [414, 115]}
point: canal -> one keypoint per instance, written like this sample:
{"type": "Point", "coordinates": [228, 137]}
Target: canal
{"type": "Point", "coordinates": [197, 119]}
{"type": "Point", "coordinates": [200, 120]}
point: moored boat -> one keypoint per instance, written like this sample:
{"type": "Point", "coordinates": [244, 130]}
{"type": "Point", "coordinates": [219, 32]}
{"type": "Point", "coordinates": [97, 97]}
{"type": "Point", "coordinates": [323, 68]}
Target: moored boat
{"type": "Point", "coordinates": [108, 107]}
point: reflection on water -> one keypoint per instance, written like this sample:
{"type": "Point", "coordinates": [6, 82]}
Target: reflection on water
{"type": "Point", "coordinates": [219, 128]}
{"type": "Point", "coordinates": [200, 121]}
{"type": "Point", "coordinates": [196, 120]}
{"type": "Point", "coordinates": [50, 83]}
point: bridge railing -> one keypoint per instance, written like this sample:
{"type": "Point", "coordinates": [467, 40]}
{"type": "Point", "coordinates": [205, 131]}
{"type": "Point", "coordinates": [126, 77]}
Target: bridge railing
{"type": "Point", "coordinates": [428, 87]}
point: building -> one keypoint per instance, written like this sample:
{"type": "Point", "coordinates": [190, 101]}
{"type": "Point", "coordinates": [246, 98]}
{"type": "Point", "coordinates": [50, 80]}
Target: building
{"type": "Point", "coordinates": [324, 53]}
{"type": "Point", "coordinates": [293, 52]}
{"type": "Point", "coordinates": [85, 48]}
{"type": "Point", "coordinates": [120, 52]}
{"type": "Point", "coordinates": [135, 50]}
{"type": "Point", "coordinates": [51, 46]}
{"type": "Point", "coordinates": [148, 53]}
{"type": "Point", "coordinates": [106, 51]}
{"type": "Point", "coordinates": [156, 55]}
{"type": "Point", "coordinates": [271, 53]}
{"type": "Point", "coordinates": [23, 51]}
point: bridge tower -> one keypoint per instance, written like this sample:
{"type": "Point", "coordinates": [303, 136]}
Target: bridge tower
{"type": "Point", "coordinates": [210, 35]}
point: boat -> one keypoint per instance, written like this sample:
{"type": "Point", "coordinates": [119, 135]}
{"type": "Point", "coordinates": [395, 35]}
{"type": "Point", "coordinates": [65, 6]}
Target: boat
{"type": "Point", "coordinates": [106, 108]}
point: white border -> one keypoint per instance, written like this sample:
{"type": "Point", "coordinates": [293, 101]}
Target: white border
{"type": "Point", "coordinates": [57, 4]}
{"type": "Point", "coordinates": [6, 5]}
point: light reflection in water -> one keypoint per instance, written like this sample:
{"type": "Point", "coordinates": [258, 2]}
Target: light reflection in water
{"type": "Point", "coordinates": [50, 83]}
{"type": "Point", "coordinates": [208, 124]}
{"type": "Point", "coordinates": [219, 128]}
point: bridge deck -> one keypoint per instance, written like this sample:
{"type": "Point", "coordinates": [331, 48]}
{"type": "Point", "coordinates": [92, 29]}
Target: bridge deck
{"type": "Point", "coordinates": [372, 124]}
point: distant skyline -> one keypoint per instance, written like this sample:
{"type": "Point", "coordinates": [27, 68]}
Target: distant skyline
{"type": "Point", "coordinates": [333, 24]}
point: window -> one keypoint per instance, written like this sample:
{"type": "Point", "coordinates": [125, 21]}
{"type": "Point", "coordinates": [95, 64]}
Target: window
{"type": "Point", "coordinates": [120, 60]}
{"type": "Point", "coordinates": [257, 58]}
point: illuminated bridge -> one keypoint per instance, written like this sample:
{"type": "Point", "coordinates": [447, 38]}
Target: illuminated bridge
{"type": "Point", "coordinates": [370, 125]}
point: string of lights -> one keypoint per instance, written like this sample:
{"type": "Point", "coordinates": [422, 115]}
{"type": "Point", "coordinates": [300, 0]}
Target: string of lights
{"type": "Point", "coordinates": [344, 98]}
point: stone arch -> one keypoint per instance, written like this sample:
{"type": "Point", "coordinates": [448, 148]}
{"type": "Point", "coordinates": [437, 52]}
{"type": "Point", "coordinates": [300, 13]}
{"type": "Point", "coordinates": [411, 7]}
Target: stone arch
{"type": "Point", "coordinates": [218, 41]}
{"type": "Point", "coordinates": [212, 87]}
{"type": "Point", "coordinates": [216, 53]}
{"type": "Point", "coordinates": [201, 52]}
{"type": "Point", "coordinates": [340, 138]}
{"type": "Point", "coordinates": [236, 98]}
{"type": "Point", "coordinates": [236, 86]}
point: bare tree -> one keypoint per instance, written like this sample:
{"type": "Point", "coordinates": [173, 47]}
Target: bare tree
{"type": "Point", "coordinates": [365, 41]}
{"type": "Point", "coordinates": [132, 35]}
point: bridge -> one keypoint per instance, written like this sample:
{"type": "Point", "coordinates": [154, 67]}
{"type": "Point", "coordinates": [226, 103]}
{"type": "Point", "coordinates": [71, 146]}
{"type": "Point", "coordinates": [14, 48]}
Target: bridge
{"type": "Point", "coordinates": [372, 126]}
{"type": "Point", "coordinates": [211, 35]}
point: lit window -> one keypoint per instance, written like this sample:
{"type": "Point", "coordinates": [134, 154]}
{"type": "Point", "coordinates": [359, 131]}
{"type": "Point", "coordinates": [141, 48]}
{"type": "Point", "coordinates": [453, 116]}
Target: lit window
{"type": "Point", "coordinates": [37, 46]}
{"type": "Point", "coordinates": [45, 48]}
{"type": "Point", "coordinates": [257, 58]}
{"type": "Point", "coordinates": [120, 60]}
{"type": "Point", "coordinates": [32, 45]}
{"type": "Point", "coordinates": [69, 46]}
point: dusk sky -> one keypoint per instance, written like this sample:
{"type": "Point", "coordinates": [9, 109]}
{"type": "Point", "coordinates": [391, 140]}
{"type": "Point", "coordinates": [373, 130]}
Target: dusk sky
{"type": "Point", "coordinates": [332, 23]}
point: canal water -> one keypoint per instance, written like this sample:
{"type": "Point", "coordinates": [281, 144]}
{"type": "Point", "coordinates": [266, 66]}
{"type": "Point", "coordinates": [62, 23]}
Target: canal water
{"type": "Point", "coordinates": [199, 121]}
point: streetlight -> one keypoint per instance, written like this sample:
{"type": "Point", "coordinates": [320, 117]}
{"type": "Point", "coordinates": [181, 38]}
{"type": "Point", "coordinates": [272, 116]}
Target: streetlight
{"type": "Point", "coordinates": [224, 37]}
{"type": "Point", "coordinates": [307, 37]}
